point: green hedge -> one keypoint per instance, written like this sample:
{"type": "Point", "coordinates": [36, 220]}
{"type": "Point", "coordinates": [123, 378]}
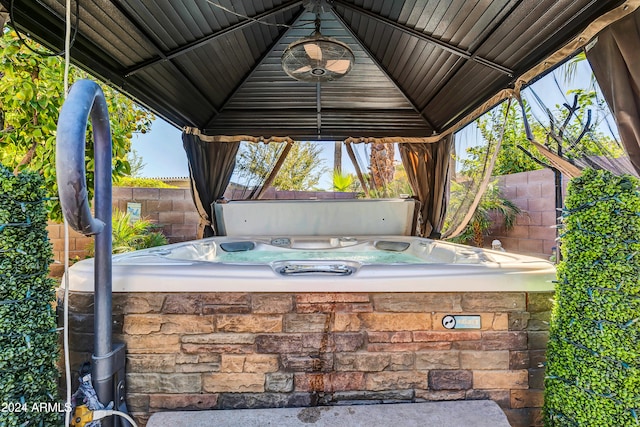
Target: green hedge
{"type": "Point", "coordinates": [28, 339]}
{"type": "Point", "coordinates": [593, 355]}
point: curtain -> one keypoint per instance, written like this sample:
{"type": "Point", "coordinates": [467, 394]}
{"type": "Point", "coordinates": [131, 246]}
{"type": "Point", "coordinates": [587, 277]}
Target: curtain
{"type": "Point", "coordinates": [427, 167]}
{"type": "Point", "coordinates": [614, 56]}
{"type": "Point", "coordinates": [210, 167]}
{"type": "Point", "coordinates": [257, 165]}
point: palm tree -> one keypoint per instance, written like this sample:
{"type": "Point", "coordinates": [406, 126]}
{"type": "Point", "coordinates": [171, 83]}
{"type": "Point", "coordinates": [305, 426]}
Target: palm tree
{"type": "Point", "coordinates": [491, 202]}
{"type": "Point", "coordinates": [130, 235]}
{"type": "Point", "coordinates": [381, 164]}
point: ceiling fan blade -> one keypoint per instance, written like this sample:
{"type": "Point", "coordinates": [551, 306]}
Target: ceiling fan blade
{"type": "Point", "coordinates": [339, 66]}
{"type": "Point", "coordinates": [314, 51]}
{"type": "Point", "coordinates": [302, 69]}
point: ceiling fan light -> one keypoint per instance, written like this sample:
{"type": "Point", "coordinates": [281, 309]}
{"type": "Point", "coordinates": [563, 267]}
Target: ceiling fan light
{"type": "Point", "coordinates": [317, 59]}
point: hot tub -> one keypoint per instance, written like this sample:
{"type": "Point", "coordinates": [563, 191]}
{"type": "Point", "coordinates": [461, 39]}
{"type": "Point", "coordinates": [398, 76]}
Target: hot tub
{"type": "Point", "coordinates": [321, 303]}
{"type": "Point", "coordinates": [319, 264]}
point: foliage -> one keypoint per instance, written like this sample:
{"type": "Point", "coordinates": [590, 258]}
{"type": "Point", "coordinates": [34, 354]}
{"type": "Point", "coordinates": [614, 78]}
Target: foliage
{"type": "Point", "coordinates": [28, 340]}
{"type": "Point", "coordinates": [128, 236]}
{"type": "Point", "coordinates": [136, 164]}
{"type": "Point", "coordinates": [301, 170]}
{"type": "Point", "coordinates": [593, 356]}
{"type": "Point", "coordinates": [512, 159]}
{"type": "Point", "coordinates": [343, 182]}
{"type": "Point", "coordinates": [130, 181]}
{"type": "Point", "coordinates": [491, 203]}
{"type": "Point", "coordinates": [398, 187]}
{"type": "Point", "coordinates": [31, 95]}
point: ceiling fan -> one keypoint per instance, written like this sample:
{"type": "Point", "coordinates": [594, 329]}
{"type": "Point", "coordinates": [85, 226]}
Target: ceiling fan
{"type": "Point", "coordinates": [317, 58]}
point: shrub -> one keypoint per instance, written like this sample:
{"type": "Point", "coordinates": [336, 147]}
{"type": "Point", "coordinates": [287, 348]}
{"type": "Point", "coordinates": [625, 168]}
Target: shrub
{"type": "Point", "coordinates": [130, 236]}
{"type": "Point", "coordinates": [491, 203]}
{"type": "Point", "coordinates": [129, 181]}
{"type": "Point", "coordinates": [28, 340]}
{"type": "Point", "coordinates": [593, 355]}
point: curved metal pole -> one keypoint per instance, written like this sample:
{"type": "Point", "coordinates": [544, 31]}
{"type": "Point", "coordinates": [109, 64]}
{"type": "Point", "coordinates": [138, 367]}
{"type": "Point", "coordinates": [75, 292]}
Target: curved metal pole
{"type": "Point", "coordinates": [86, 97]}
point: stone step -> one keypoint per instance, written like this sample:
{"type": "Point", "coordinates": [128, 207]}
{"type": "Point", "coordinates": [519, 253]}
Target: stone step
{"type": "Point", "coordinates": [462, 413]}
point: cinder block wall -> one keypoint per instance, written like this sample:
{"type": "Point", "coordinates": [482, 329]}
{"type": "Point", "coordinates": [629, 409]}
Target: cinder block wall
{"type": "Point", "coordinates": [533, 233]}
{"type": "Point", "coordinates": [170, 208]}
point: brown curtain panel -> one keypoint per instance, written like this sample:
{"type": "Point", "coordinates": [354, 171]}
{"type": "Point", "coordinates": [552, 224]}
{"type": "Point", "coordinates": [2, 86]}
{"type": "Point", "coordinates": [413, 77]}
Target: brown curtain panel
{"type": "Point", "coordinates": [427, 167]}
{"type": "Point", "coordinates": [210, 167]}
{"type": "Point", "coordinates": [615, 59]}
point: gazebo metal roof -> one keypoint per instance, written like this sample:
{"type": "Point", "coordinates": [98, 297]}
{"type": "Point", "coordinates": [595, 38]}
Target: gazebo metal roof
{"type": "Point", "coordinates": [420, 65]}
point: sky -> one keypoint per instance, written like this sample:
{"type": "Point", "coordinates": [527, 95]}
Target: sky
{"type": "Point", "coordinates": [162, 153]}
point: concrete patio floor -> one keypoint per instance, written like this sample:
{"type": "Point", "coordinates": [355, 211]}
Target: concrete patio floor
{"type": "Point", "coordinates": [467, 413]}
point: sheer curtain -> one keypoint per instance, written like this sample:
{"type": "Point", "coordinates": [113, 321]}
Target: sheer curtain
{"type": "Point", "coordinates": [210, 167]}
{"type": "Point", "coordinates": [427, 167]}
{"type": "Point", "coordinates": [476, 149]}
{"type": "Point", "coordinates": [256, 168]}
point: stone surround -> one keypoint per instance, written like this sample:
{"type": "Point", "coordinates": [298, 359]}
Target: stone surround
{"type": "Point", "coordinates": [190, 351]}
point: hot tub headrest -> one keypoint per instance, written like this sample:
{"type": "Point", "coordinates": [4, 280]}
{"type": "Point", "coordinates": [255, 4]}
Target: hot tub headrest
{"type": "Point", "coordinates": [364, 217]}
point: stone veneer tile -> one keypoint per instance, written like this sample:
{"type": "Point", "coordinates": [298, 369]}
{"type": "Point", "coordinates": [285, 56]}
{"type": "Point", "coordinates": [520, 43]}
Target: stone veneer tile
{"type": "Point", "coordinates": [518, 320]}
{"type": "Point", "coordinates": [219, 382]}
{"type": "Point", "coordinates": [459, 335]}
{"type": "Point", "coordinates": [438, 359]}
{"type": "Point", "coordinates": [314, 322]}
{"type": "Point", "coordinates": [220, 338]}
{"type": "Point", "coordinates": [252, 363]}
{"type": "Point", "coordinates": [498, 301]}
{"type": "Point", "coordinates": [512, 340]}
{"type": "Point", "coordinates": [160, 363]}
{"type": "Point", "coordinates": [440, 395]}
{"type": "Point", "coordinates": [279, 343]}
{"type": "Point", "coordinates": [279, 382]}
{"type": "Point", "coordinates": [373, 362]}
{"type": "Point", "coordinates": [163, 383]}
{"type": "Point", "coordinates": [389, 337]}
{"type": "Point", "coordinates": [331, 297]}
{"type": "Point", "coordinates": [532, 398]}
{"type": "Point", "coordinates": [248, 323]}
{"type": "Point", "coordinates": [152, 344]}
{"type": "Point", "coordinates": [167, 324]}
{"type": "Point", "coordinates": [408, 347]}
{"type": "Point", "coordinates": [396, 380]}
{"type": "Point", "coordinates": [271, 303]}
{"type": "Point", "coordinates": [395, 321]}
{"type": "Point", "coordinates": [329, 382]}
{"type": "Point", "coordinates": [146, 302]}
{"type": "Point", "coordinates": [471, 359]}
{"type": "Point", "coordinates": [453, 379]}
{"type": "Point", "coordinates": [417, 302]}
{"type": "Point", "coordinates": [340, 307]}
{"type": "Point", "coordinates": [540, 301]}
{"type": "Point", "coordinates": [501, 379]}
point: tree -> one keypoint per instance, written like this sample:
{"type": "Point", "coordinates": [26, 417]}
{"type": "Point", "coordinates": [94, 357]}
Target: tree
{"type": "Point", "coordinates": [301, 170]}
{"type": "Point", "coordinates": [564, 127]}
{"type": "Point", "coordinates": [31, 95]}
{"type": "Point", "coordinates": [136, 164]}
{"type": "Point", "coordinates": [381, 164]}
